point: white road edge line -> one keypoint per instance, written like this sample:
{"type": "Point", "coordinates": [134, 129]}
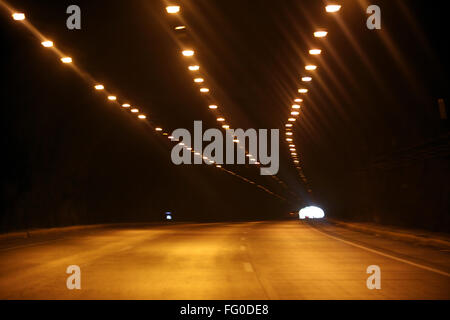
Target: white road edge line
{"type": "Point", "coordinates": [386, 255]}
{"type": "Point", "coordinates": [248, 267]}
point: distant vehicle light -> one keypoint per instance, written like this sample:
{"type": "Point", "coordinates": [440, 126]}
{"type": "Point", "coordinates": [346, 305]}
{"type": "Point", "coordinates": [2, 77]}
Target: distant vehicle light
{"type": "Point", "coordinates": [311, 212]}
{"type": "Point", "coordinates": [168, 217]}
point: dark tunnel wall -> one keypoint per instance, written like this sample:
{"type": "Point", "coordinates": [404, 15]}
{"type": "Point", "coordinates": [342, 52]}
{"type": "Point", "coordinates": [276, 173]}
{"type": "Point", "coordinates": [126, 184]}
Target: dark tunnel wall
{"type": "Point", "coordinates": [375, 149]}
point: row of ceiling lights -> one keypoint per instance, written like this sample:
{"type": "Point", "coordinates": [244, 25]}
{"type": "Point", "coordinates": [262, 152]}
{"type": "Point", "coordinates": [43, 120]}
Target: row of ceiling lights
{"type": "Point", "coordinates": [189, 53]}
{"type": "Point", "coordinates": [19, 16]}
{"type": "Point", "coordinates": [294, 113]}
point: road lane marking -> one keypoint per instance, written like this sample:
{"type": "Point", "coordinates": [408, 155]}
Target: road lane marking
{"type": "Point", "coordinates": [248, 267]}
{"type": "Point", "coordinates": [386, 255]}
{"type": "Point", "coordinates": [34, 244]}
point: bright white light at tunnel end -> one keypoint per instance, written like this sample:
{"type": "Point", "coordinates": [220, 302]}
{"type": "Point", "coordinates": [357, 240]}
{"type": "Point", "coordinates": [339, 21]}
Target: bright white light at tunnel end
{"type": "Point", "coordinates": [311, 212]}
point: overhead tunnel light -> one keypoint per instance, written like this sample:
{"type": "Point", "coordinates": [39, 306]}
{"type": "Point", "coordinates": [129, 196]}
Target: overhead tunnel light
{"type": "Point", "coordinates": [18, 16]}
{"type": "Point", "coordinates": [47, 43]}
{"type": "Point", "coordinates": [173, 9]}
{"type": "Point", "coordinates": [333, 8]}
{"type": "Point", "coordinates": [320, 34]}
{"type": "Point", "coordinates": [188, 53]}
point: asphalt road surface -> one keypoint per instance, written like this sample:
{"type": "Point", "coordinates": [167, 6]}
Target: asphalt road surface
{"type": "Point", "coordinates": [251, 260]}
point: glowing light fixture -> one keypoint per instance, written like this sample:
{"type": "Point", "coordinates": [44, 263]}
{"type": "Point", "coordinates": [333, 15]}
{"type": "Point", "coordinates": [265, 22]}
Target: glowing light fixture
{"type": "Point", "coordinates": [66, 60]}
{"type": "Point", "coordinates": [333, 8]}
{"type": "Point", "coordinates": [194, 68]}
{"type": "Point", "coordinates": [173, 9]}
{"type": "Point", "coordinates": [212, 106]}
{"type": "Point", "coordinates": [47, 43]}
{"type": "Point", "coordinates": [306, 79]}
{"type": "Point", "coordinates": [112, 98]}
{"type": "Point", "coordinates": [303, 90]}
{"type": "Point", "coordinates": [315, 51]}
{"type": "Point", "coordinates": [320, 34]}
{"type": "Point", "coordinates": [99, 87]}
{"type": "Point", "coordinates": [310, 67]}
{"type": "Point", "coordinates": [18, 16]}
{"type": "Point", "coordinates": [188, 53]}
